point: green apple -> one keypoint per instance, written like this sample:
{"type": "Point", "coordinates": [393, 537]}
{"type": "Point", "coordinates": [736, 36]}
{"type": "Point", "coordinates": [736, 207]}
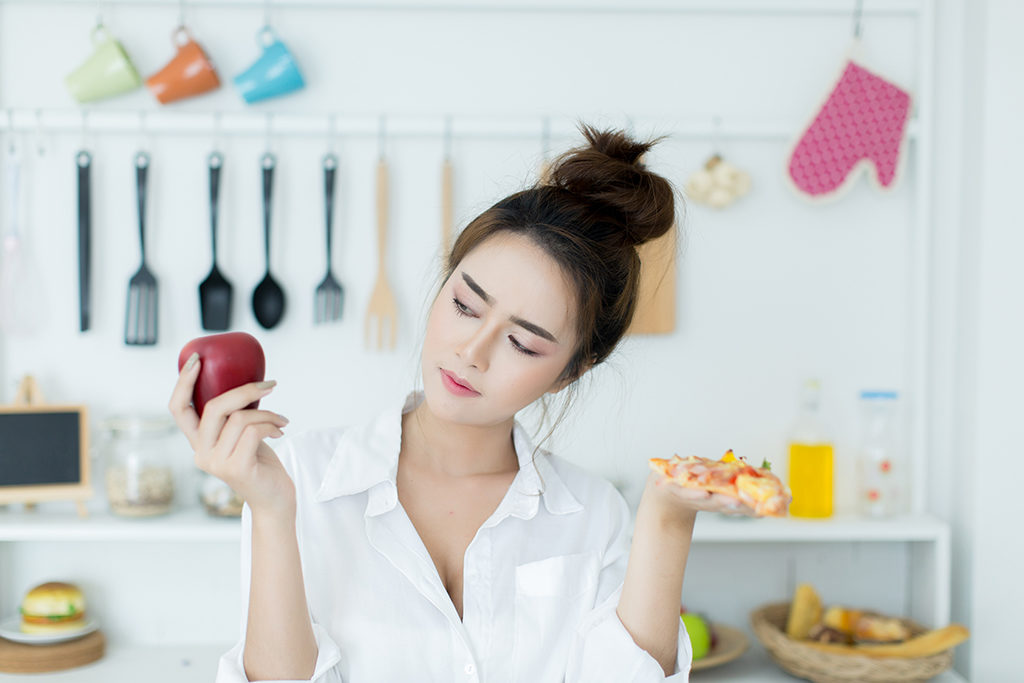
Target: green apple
{"type": "Point", "coordinates": [700, 634]}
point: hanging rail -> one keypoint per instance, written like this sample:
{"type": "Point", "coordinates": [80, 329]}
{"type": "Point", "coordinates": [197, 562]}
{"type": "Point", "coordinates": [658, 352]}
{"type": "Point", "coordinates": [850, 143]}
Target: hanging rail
{"type": "Point", "coordinates": [134, 122]}
{"type": "Point", "coordinates": [762, 7]}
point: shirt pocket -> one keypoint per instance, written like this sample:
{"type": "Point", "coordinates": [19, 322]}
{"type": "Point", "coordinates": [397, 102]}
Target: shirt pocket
{"type": "Point", "coordinates": [551, 597]}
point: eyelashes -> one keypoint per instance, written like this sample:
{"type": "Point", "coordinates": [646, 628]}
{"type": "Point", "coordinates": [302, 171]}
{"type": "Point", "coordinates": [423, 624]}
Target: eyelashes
{"type": "Point", "coordinates": [463, 311]}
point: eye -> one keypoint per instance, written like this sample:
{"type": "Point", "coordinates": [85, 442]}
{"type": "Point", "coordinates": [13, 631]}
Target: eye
{"type": "Point", "coordinates": [520, 348]}
{"type": "Point", "coordinates": [462, 310]}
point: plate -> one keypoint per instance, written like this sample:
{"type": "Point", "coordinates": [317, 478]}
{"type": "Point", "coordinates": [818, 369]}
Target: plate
{"type": "Point", "coordinates": [11, 630]}
{"type": "Point", "coordinates": [732, 642]}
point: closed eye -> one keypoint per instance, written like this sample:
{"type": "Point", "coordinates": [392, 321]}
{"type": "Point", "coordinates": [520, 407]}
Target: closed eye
{"type": "Point", "coordinates": [462, 310]}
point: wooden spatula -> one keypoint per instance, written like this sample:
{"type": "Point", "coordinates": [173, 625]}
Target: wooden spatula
{"type": "Point", "coordinates": [381, 324]}
{"type": "Point", "coordinates": [447, 208]}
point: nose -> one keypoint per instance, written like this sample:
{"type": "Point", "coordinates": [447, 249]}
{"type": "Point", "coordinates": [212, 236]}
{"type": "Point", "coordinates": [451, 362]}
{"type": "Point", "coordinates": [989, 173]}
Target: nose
{"type": "Point", "coordinates": [477, 347]}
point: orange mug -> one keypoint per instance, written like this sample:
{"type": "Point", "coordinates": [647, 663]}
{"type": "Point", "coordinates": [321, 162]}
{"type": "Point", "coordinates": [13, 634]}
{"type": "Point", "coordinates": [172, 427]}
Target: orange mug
{"type": "Point", "coordinates": [189, 73]}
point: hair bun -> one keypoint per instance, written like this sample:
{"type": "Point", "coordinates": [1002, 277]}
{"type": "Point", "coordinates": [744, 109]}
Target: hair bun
{"type": "Point", "coordinates": [632, 203]}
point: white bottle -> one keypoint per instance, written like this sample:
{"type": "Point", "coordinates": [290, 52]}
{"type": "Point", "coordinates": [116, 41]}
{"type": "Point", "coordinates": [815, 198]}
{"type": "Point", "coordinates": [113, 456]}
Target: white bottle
{"type": "Point", "coordinates": [881, 465]}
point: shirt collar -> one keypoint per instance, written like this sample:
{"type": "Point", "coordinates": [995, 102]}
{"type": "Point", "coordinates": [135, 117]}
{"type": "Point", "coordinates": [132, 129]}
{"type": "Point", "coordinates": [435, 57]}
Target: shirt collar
{"type": "Point", "coordinates": [367, 456]}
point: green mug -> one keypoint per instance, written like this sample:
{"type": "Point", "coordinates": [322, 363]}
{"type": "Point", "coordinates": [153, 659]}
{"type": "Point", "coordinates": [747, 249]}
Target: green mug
{"type": "Point", "coordinates": [107, 71]}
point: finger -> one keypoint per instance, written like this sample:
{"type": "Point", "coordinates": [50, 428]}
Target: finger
{"type": "Point", "coordinates": [244, 455]}
{"type": "Point", "coordinates": [734, 505]}
{"type": "Point", "coordinates": [238, 422]}
{"type": "Point", "coordinates": [219, 408]}
{"type": "Point", "coordinates": [692, 495]}
{"type": "Point", "coordinates": [180, 403]}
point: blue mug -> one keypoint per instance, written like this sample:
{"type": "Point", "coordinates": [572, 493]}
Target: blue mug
{"type": "Point", "coordinates": [274, 73]}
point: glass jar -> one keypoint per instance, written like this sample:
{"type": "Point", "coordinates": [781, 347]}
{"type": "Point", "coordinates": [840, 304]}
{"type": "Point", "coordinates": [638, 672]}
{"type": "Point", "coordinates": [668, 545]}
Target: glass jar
{"type": "Point", "coordinates": [140, 464]}
{"type": "Point", "coordinates": [881, 469]}
{"type": "Point", "coordinates": [219, 499]}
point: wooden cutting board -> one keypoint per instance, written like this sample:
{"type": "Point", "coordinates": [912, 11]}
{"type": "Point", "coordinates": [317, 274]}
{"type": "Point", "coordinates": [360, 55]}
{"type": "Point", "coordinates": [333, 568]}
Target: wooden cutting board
{"type": "Point", "coordinates": [21, 658]}
{"type": "Point", "coordinates": [656, 307]}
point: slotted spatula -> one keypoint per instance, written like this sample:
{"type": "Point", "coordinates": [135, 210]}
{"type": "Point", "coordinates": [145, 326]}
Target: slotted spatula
{"type": "Point", "coordinates": [140, 323]}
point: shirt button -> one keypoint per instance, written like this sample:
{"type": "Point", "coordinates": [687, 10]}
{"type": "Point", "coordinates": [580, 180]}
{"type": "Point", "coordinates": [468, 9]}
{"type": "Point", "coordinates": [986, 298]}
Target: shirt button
{"type": "Point", "coordinates": [470, 669]}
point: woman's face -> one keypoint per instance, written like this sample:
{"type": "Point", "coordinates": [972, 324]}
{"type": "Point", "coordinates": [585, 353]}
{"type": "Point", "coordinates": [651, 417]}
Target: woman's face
{"type": "Point", "coordinates": [503, 325]}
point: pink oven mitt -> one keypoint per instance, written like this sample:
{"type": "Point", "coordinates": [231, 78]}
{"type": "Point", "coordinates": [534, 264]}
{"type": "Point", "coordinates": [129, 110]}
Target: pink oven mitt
{"type": "Point", "coordinates": [863, 122]}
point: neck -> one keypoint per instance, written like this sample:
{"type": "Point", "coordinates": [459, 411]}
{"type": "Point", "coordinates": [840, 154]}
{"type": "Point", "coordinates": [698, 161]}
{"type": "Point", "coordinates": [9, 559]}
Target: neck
{"type": "Point", "coordinates": [457, 450]}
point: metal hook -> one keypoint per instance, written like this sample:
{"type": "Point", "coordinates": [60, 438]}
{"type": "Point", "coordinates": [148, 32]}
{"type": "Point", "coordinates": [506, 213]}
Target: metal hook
{"type": "Point", "coordinates": [857, 12]}
{"type": "Point", "coordinates": [217, 130]}
{"type": "Point", "coordinates": [181, 12]}
{"type": "Point", "coordinates": [10, 132]}
{"type": "Point", "coordinates": [381, 136]}
{"type": "Point", "coordinates": [81, 131]}
{"type": "Point", "coordinates": [332, 132]}
{"type": "Point", "coordinates": [545, 137]}
{"type": "Point", "coordinates": [142, 130]}
{"type": "Point", "coordinates": [716, 134]}
{"type": "Point", "coordinates": [448, 136]}
{"type": "Point", "coordinates": [99, 13]}
{"type": "Point", "coordinates": [40, 149]}
{"type": "Point", "coordinates": [266, 13]}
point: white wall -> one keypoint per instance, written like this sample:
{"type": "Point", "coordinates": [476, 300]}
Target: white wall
{"type": "Point", "coordinates": [769, 291]}
{"type": "Point", "coordinates": [994, 336]}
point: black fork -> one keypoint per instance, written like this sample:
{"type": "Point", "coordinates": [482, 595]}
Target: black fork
{"type": "Point", "coordinates": [330, 296]}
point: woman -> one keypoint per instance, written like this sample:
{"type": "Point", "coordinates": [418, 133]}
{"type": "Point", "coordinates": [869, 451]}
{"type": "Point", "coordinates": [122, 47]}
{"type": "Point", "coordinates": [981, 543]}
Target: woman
{"type": "Point", "coordinates": [436, 542]}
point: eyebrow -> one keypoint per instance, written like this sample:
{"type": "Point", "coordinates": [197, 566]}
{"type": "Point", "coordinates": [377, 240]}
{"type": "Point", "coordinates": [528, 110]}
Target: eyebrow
{"type": "Point", "coordinates": [525, 324]}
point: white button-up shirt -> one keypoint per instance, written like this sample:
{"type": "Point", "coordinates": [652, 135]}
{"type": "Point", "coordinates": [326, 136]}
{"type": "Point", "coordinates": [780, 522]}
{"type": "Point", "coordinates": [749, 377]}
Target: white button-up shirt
{"type": "Point", "coordinates": [541, 578]}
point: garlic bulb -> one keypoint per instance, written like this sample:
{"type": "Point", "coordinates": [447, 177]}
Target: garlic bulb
{"type": "Point", "coordinates": [718, 184]}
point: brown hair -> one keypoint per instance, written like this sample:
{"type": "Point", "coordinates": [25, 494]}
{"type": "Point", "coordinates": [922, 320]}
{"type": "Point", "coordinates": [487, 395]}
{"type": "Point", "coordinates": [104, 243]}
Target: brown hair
{"type": "Point", "coordinates": [596, 205]}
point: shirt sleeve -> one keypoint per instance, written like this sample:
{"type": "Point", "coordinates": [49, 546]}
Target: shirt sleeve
{"type": "Point", "coordinates": [230, 668]}
{"type": "Point", "coordinates": [603, 650]}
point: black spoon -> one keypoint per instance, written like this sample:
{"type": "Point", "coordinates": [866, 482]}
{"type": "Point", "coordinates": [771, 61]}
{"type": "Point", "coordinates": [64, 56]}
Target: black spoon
{"type": "Point", "coordinates": [268, 297]}
{"type": "Point", "coordinates": [215, 291]}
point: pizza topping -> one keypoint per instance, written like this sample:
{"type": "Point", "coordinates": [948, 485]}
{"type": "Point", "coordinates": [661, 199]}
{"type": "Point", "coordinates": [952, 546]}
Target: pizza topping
{"type": "Point", "coordinates": [756, 487]}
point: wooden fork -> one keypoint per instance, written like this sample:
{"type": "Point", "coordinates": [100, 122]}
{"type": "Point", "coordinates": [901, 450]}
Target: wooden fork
{"type": "Point", "coordinates": [382, 311]}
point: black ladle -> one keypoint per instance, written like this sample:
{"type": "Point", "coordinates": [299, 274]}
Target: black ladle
{"type": "Point", "coordinates": [215, 291]}
{"type": "Point", "coordinates": [268, 297]}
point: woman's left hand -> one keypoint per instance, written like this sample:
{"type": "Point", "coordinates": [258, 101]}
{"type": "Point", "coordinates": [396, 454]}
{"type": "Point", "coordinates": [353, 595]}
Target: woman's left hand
{"type": "Point", "coordinates": [677, 502]}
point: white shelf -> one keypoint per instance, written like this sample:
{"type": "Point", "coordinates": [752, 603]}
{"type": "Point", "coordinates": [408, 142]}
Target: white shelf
{"type": "Point", "coordinates": [193, 524]}
{"type": "Point", "coordinates": [721, 529]}
{"type": "Point", "coordinates": [187, 524]}
{"type": "Point", "coordinates": [198, 664]}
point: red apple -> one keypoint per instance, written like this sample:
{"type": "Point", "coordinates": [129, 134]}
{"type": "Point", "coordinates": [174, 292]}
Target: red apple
{"type": "Point", "coordinates": [227, 361]}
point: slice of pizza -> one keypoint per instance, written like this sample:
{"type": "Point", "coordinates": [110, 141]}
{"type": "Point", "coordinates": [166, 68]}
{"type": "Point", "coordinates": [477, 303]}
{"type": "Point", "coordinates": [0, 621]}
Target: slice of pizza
{"type": "Point", "coordinates": [757, 487]}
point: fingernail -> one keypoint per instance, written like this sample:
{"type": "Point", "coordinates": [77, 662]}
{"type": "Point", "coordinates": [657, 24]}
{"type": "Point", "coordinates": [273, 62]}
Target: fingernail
{"type": "Point", "coordinates": [284, 419]}
{"type": "Point", "coordinates": [192, 360]}
{"type": "Point", "coordinates": [269, 384]}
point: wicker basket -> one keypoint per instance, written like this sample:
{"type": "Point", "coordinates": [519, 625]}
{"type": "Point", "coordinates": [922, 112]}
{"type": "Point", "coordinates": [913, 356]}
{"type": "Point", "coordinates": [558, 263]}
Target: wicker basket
{"type": "Point", "coordinates": [799, 659]}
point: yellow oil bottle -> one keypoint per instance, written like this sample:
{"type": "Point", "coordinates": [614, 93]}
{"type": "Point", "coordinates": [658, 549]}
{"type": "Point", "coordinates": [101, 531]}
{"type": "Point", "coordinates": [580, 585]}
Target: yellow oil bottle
{"type": "Point", "coordinates": [810, 458]}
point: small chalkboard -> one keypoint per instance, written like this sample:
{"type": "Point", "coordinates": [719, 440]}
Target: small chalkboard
{"type": "Point", "coordinates": [44, 451]}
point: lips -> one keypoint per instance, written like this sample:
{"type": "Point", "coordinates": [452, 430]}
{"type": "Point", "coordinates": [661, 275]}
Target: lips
{"type": "Point", "coordinates": [458, 380]}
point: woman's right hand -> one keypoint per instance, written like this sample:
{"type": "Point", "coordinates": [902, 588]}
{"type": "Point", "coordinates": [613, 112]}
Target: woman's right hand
{"type": "Point", "coordinates": [228, 442]}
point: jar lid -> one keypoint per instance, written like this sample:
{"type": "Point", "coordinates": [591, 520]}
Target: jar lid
{"type": "Point", "coordinates": [138, 424]}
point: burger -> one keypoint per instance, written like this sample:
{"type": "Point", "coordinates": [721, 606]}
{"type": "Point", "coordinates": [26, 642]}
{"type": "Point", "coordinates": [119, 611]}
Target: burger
{"type": "Point", "coordinates": [53, 607]}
